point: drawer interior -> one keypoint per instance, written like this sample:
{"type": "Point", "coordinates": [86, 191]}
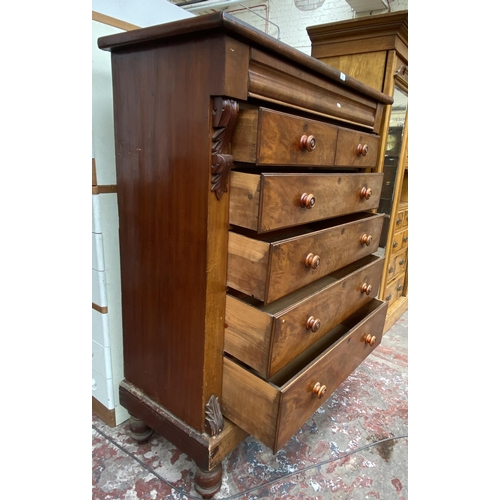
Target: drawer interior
{"type": "Point", "coordinates": [298, 231]}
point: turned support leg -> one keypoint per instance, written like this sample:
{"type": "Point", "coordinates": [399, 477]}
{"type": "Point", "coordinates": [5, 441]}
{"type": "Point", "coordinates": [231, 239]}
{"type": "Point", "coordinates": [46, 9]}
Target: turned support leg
{"type": "Point", "coordinates": [208, 483]}
{"type": "Point", "coordinates": [139, 430]}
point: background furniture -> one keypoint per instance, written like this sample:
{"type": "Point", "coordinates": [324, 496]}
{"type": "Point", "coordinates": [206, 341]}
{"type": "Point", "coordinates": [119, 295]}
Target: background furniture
{"type": "Point", "coordinates": [247, 233]}
{"type": "Point", "coordinates": [374, 50]}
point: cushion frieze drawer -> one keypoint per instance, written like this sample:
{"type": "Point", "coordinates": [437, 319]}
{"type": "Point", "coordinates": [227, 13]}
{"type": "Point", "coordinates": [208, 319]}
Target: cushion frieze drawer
{"type": "Point", "coordinates": [270, 201]}
{"type": "Point", "coordinates": [267, 337]}
{"type": "Point", "coordinates": [273, 411]}
{"type": "Point", "coordinates": [271, 265]}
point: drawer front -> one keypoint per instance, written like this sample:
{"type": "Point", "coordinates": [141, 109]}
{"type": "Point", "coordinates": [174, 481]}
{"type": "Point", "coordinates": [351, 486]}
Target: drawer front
{"type": "Point", "coordinates": [267, 137]}
{"type": "Point", "coordinates": [400, 220]}
{"type": "Point", "coordinates": [356, 149]}
{"type": "Point", "coordinates": [405, 220]}
{"type": "Point", "coordinates": [394, 290]}
{"type": "Point", "coordinates": [397, 242]}
{"type": "Point", "coordinates": [269, 338]}
{"type": "Point", "coordinates": [300, 261]}
{"type": "Point", "coordinates": [274, 411]}
{"type": "Point", "coordinates": [392, 269]}
{"type": "Point", "coordinates": [400, 262]}
{"type": "Point", "coordinates": [273, 201]}
{"type": "Point", "coordinates": [404, 241]}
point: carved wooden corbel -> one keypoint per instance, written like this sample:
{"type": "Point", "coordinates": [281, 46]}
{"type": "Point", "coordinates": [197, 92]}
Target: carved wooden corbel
{"type": "Point", "coordinates": [214, 418]}
{"type": "Point", "coordinates": [225, 112]}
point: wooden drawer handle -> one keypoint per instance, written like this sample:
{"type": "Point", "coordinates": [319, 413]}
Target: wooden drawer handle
{"type": "Point", "coordinates": [307, 143]}
{"type": "Point", "coordinates": [398, 221]}
{"type": "Point", "coordinates": [391, 269]}
{"type": "Point", "coordinates": [389, 297]}
{"type": "Point", "coordinates": [319, 390]}
{"type": "Point", "coordinates": [312, 261]}
{"type": "Point", "coordinates": [395, 244]}
{"type": "Point", "coordinates": [399, 288]}
{"type": "Point", "coordinates": [405, 239]}
{"type": "Point", "coordinates": [313, 324]}
{"type": "Point", "coordinates": [365, 193]}
{"type": "Point", "coordinates": [307, 200]}
{"type": "Point", "coordinates": [366, 239]}
{"type": "Point", "coordinates": [401, 262]}
{"type": "Point", "coordinates": [370, 339]}
{"type": "Point", "coordinates": [362, 149]}
{"type": "Point", "coordinates": [366, 288]}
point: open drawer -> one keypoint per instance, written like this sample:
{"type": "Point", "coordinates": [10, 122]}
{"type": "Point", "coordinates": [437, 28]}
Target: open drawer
{"type": "Point", "coordinates": [273, 411]}
{"type": "Point", "coordinates": [269, 201]}
{"type": "Point", "coordinates": [271, 265]}
{"type": "Point", "coordinates": [268, 337]}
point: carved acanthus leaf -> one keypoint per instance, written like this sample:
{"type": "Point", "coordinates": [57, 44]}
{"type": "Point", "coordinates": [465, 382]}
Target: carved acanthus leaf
{"type": "Point", "coordinates": [214, 417]}
{"type": "Point", "coordinates": [225, 113]}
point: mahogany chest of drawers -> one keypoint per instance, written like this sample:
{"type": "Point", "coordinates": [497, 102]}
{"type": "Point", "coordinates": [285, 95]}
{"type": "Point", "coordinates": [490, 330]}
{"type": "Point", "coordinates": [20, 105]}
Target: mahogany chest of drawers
{"type": "Point", "coordinates": [247, 225]}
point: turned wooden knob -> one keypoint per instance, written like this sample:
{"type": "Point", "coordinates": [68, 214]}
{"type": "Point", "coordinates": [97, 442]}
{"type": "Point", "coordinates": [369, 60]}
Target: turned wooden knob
{"type": "Point", "coordinates": [405, 239]}
{"type": "Point", "coordinates": [319, 390]}
{"type": "Point", "coordinates": [398, 221]}
{"type": "Point", "coordinates": [370, 339]}
{"type": "Point", "coordinates": [312, 261]}
{"type": "Point", "coordinates": [366, 288]}
{"type": "Point", "coordinates": [401, 262]}
{"type": "Point", "coordinates": [365, 193]}
{"type": "Point", "coordinates": [366, 239]}
{"type": "Point", "coordinates": [389, 297]}
{"type": "Point", "coordinates": [313, 324]}
{"type": "Point", "coordinates": [391, 269]}
{"type": "Point", "coordinates": [362, 149]}
{"type": "Point", "coordinates": [307, 200]}
{"type": "Point", "coordinates": [307, 142]}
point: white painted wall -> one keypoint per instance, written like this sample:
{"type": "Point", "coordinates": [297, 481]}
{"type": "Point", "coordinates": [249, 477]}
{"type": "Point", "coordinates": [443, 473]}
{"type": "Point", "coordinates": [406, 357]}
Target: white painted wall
{"type": "Point", "coordinates": [140, 12]}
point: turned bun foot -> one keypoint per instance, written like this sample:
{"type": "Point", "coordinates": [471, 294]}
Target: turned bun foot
{"type": "Point", "coordinates": [139, 430]}
{"type": "Point", "coordinates": [208, 483]}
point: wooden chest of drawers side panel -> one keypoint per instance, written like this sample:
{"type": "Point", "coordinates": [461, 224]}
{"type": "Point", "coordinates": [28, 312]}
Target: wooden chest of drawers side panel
{"type": "Point", "coordinates": [248, 262]}
{"type": "Point", "coordinates": [250, 399]}
{"type": "Point", "coordinates": [248, 334]}
{"type": "Point", "coordinates": [167, 213]}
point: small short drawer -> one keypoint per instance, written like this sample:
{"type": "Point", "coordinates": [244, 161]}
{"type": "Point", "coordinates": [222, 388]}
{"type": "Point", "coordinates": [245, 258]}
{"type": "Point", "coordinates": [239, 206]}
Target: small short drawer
{"type": "Point", "coordinates": [394, 290]}
{"type": "Point", "coordinates": [270, 201]}
{"type": "Point", "coordinates": [405, 221]}
{"type": "Point", "coordinates": [391, 269]}
{"type": "Point", "coordinates": [267, 338]}
{"type": "Point", "coordinates": [404, 241]}
{"type": "Point", "coordinates": [397, 242]}
{"type": "Point", "coordinates": [400, 262]}
{"type": "Point", "coordinates": [400, 220]}
{"type": "Point", "coordinates": [271, 265]}
{"type": "Point", "coordinates": [356, 149]}
{"type": "Point", "coordinates": [266, 137]}
{"type": "Point", "coordinates": [273, 411]}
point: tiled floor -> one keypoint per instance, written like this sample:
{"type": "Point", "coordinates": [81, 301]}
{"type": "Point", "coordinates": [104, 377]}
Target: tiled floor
{"type": "Point", "coordinates": [354, 447]}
